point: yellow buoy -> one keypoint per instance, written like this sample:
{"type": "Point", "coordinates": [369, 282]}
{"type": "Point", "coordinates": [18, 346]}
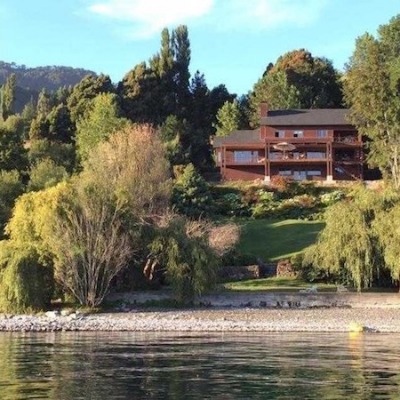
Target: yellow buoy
{"type": "Point", "coordinates": [355, 327]}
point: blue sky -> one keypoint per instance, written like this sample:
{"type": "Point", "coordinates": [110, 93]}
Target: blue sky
{"type": "Point", "coordinates": [232, 41]}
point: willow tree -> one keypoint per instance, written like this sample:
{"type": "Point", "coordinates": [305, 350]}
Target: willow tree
{"type": "Point", "coordinates": [372, 90]}
{"type": "Point", "coordinates": [387, 228]}
{"type": "Point", "coordinates": [347, 244]}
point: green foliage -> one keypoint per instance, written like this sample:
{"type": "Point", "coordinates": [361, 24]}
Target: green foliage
{"type": "Point", "coordinates": [62, 154]}
{"type": "Point", "coordinates": [37, 78]}
{"type": "Point", "coordinates": [99, 122]}
{"type": "Point", "coordinates": [86, 90]}
{"type": "Point", "coordinates": [352, 245]}
{"type": "Point", "coordinates": [60, 125]}
{"type": "Point", "coordinates": [184, 251]}
{"type": "Point", "coordinates": [12, 152]}
{"type": "Point", "coordinates": [10, 188]}
{"type": "Point", "coordinates": [371, 87]}
{"type": "Point", "coordinates": [7, 96]}
{"type": "Point", "coordinates": [327, 199]}
{"type": "Point", "coordinates": [191, 195]}
{"type": "Point", "coordinates": [45, 174]}
{"type": "Point", "coordinates": [276, 91]}
{"type": "Point", "coordinates": [228, 118]}
{"type": "Point", "coordinates": [25, 285]}
{"type": "Point", "coordinates": [297, 80]}
{"type": "Point", "coordinates": [386, 227]}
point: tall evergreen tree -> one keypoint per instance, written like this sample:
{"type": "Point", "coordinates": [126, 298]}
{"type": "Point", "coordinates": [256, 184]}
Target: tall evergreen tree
{"type": "Point", "coordinates": [372, 90]}
{"type": "Point", "coordinates": [8, 96]}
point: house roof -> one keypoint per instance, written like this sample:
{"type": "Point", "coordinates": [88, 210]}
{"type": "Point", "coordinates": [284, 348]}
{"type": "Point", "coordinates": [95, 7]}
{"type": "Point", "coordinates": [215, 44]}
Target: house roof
{"type": "Point", "coordinates": [244, 136]}
{"type": "Point", "coordinates": [321, 117]}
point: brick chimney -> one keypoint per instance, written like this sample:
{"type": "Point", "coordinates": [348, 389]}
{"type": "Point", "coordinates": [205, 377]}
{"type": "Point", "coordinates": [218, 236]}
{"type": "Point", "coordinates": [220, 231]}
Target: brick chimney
{"type": "Point", "coordinates": [263, 109]}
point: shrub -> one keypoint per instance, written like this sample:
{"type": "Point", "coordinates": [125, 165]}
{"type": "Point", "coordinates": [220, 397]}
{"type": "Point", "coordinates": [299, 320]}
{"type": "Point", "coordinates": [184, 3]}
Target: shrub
{"type": "Point", "coordinates": [191, 195]}
{"type": "Point", "coordinates": [25, 284]}
{"type": "Point", "coordinates": [328, 199]}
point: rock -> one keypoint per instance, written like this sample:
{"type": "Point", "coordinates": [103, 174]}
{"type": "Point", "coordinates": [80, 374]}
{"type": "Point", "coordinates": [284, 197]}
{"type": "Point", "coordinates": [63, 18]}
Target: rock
{"type": "Point", "coordinates": [52, 314]}
{"type": "Point", "coordinates": [66, 312]}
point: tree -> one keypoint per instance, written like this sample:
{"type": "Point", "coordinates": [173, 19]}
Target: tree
{"type": "Point", "coordinates": [372, 88]}
{"type": "Point", "coordinates": [315, 78]}
{"type": "Point", "coordinates": [348, 245]}
{"type": "Point", "coordinates": [385, 226]}
{"type": "Point", "coordinates": [8, 96]}
{"type": "Point", "coordinates": [90, 245]}
{"type": "Point", "coordinates": [62, 154]}
{"type": "Point", "coordinates": [25, 284]}
{"type": "Point", "coordinates": [12, 152]}
{"type": "Point", "coordinates": [131, 166]}
{"type": "Point", "coordinates": [11, 187]}
{"type": "Point", "coordinates": [86, 90]}
{"type": "Point", "coordinates": [189, 252]}
{"type": "Point", "coordinates": [228, 118]}
{"type": "Point", "coordinates": [45, 174]}
{"type": "Point", "coordinates": [274, 89]}
{"type": "Point", "coordinates": [60, 126]}
{"type": "Point", "coordinates": [191, 194]}
{"type": "Point", "coordinates": [124, 184]}
{"type": "Point", "coordinates": [98, 123]}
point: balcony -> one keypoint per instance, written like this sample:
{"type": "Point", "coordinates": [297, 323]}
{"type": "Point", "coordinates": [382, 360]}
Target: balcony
{"type": "Point", "coordinates": [298, 157]}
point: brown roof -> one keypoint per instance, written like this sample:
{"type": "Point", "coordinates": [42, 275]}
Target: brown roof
{"type": "Point", "coordinates": [313, 117]}
{"type": "Point", "coordinates": [244, 136]}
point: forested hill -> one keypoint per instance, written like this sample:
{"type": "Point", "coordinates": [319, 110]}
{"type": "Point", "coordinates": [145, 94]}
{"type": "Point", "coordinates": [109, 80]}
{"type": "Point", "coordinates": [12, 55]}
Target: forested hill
{"type": "Point", "coordinates": [38, 78]}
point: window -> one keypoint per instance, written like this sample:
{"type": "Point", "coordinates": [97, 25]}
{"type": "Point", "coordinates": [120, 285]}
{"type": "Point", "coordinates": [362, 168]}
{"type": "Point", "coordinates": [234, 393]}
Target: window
{"type": "Point", "coordinates": [322, 133]}
{"type": "Point", "coordinates": [316, 155]}
{"type": "Point", "coordinates": [298, 134]}
{"type": "Point", "coordinates": [245, 156]}
{"type": "Point", "coordinates": [280, 134]}
{"type": "Point", "coordinates": [314, 173]}
{"type": "Point", "coordinates": [286, 172]}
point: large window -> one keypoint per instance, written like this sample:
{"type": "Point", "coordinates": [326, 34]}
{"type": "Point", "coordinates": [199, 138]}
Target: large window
{"type": "Point", "coordinates": [322, 133]}
{"type": "Point", "coordinates": [245, 156]}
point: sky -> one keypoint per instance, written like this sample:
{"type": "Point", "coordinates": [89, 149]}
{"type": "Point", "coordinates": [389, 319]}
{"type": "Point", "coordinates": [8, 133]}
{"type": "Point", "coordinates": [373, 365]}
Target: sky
{"type": "Point", "coordinates": [232, 41]}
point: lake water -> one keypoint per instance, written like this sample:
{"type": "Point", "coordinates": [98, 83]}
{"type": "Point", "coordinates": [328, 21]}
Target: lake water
{"type": "Point", "coordinates": [70, 366]}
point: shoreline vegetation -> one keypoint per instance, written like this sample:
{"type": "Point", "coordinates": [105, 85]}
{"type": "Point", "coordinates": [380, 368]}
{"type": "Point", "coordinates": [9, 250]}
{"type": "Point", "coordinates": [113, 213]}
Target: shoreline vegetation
{"type": "Point", "coordinates": [256, 312]}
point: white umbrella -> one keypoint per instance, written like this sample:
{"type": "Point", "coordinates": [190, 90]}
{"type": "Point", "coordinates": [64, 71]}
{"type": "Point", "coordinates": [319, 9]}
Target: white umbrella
{"type": "Point", "coordinates": [284, 146]}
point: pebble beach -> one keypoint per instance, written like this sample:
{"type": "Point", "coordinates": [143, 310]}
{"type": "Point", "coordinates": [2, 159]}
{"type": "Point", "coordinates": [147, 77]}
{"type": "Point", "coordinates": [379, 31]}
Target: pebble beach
{"type": "Point", "coordinates": [310, 314]}
{"type": "Point", "coordinates": [234, 320]}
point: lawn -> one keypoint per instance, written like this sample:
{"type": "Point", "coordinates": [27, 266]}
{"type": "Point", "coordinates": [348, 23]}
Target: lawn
{"type": "Point", "coordinates": [274, 240]}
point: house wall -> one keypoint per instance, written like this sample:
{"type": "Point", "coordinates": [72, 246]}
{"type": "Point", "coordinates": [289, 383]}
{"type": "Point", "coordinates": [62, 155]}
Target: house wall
{"type": "Point", "coordinates": [275, 170]}
{"type": "Point", "coordinates": [244, 173]}
{"type": "Point", "coordinates": [308, 131]}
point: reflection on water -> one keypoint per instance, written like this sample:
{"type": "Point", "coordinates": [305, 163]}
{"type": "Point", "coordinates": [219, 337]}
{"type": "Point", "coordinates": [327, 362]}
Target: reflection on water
{"type": "Point", "coordinates": [70, 366]}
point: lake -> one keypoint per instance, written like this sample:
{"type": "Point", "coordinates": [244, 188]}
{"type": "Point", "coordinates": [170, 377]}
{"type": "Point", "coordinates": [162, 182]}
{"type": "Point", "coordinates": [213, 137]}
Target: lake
{"type": "Point", "coordinates": [70, 366]}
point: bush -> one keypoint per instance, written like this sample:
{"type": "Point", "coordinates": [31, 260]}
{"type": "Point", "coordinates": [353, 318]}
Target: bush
{"type": "Point", "coordinates": [327, 199]}
{"type": "Point", "coordinates": [25, 284]}
{"type": "Point", "coordinates": [191, 195]}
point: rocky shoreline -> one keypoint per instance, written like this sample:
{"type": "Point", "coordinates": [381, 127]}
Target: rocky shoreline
{"type": "Point", "coordinates": [227, 312]}
{"type": "Point", "coordinates": [213, 320]}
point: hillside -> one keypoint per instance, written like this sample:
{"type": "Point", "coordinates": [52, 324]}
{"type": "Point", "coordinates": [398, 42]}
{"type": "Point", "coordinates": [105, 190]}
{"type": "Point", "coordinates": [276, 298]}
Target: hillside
{"type": "Point", "coordinates": [48, 77]}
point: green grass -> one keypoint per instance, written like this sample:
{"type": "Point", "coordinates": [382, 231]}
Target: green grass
{"type": "Point", "coordinates": [277, 285]}
{"type": "Point", "coordinates": [274, 240]}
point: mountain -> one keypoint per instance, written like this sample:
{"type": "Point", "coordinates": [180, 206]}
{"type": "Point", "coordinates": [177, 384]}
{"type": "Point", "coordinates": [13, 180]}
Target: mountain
{"type": "Point", "coordinates": [30, 81]}
{"type": "Point", "coordinates": [49, 77]}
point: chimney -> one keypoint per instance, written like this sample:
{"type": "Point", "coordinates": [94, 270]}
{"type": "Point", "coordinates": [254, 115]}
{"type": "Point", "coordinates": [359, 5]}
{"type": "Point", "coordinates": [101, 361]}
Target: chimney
{"type": "Point", "coordinates": [263, 109]}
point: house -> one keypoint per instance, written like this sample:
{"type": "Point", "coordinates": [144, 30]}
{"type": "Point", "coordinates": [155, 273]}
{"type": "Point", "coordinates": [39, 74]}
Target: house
{"type": "Point", "coordinates": [315, 144]}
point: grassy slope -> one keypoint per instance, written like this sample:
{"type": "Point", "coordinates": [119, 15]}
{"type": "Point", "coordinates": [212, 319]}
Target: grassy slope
{"type": "Point", "coordinates": [273, 240]}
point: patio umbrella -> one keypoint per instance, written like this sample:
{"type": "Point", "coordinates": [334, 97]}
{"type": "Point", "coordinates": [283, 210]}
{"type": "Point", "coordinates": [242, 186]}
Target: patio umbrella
{"type": "Point", "coordinates": [284, 146]}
